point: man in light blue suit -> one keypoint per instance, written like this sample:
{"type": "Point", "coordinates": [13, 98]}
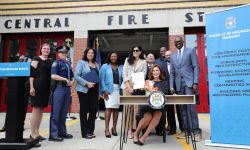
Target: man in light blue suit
{"type": "Point", "coordinates": [184, 73]}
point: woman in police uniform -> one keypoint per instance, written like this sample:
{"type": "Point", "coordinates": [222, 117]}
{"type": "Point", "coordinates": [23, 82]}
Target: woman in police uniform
{"type": "Point", "coordinates": [61, 72]}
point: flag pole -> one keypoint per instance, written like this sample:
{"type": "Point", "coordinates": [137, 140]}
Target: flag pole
{"type": "Point", "coordinates": [69, 117]}
{"type": "Point", "coordinates": [97, 51]}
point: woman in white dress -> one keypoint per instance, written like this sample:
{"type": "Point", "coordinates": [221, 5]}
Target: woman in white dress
{"type": "Point", "coordinates": [111, 79]}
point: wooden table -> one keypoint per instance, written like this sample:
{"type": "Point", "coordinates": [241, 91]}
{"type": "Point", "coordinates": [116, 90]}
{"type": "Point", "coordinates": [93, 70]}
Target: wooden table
{"type": "Point", "coordinates": [170, 99]}
{"type": "Point", "coordinates": [143, 100]}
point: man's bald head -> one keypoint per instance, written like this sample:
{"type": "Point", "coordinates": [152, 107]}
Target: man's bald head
{"type": "Point", "coordinates": [162, 51]}
{"type": "Point", "coordinates": [150, 58]}
{"type": "Point", "coordinates": [168, 55]}
{"type": "Point", "coordinates": [178, 42]}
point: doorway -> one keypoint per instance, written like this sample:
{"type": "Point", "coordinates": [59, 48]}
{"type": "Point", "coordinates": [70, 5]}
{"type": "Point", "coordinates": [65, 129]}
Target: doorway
{"type": "Point", "coordinates": [195, 38]}
{"type": "Point", "coordinates": [122, 41]}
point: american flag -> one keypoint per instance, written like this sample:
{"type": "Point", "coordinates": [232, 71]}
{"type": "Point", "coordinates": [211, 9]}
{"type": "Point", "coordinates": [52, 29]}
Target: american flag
{"type": "Point", "coordinates": [98, 54]}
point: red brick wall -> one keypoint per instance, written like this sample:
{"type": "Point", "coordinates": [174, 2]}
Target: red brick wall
{"type": "Point", "coordinates": [80, 44]}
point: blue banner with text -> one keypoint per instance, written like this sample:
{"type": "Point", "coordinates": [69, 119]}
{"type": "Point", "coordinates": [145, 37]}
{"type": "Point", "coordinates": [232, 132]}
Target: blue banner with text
{"type": "Point", "coordinates": [17, 69]}
{"type": "Point", "coordinates": [228, 57]}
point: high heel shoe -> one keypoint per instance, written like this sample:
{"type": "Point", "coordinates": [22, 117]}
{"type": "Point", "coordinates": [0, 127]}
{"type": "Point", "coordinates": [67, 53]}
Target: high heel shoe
{"type": "Point", "coordinates": [130, 134]}
{"type": "Point", "coordinates": [36, 141]}
{"type": "Point", "coordinates": [114, 133]}
{"type": "Point", "coordinates": [3, 129]}
{"type": "Point", "coordinates": [87, 136]}
{"type": "Point", "coordinates": [40, 138]}
{"type": "Point", "coordinates": [138, 143]}
{"type": "Point", "coordinates": [107, 134]}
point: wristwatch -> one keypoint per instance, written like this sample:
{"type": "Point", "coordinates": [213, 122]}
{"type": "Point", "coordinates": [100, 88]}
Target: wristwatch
{"type": "Point", "coordinates": [172, 90]}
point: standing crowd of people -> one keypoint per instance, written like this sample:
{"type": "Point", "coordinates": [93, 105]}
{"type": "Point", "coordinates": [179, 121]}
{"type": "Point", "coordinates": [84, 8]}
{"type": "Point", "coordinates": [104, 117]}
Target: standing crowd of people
{"type": "Point", "coordinates": [172, 73]}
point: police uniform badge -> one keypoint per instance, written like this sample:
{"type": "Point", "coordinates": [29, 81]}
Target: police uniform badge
{"type": "Point", "coordinates": [54, 64]}
{"type": "Point", "coordinates": [157, 100]}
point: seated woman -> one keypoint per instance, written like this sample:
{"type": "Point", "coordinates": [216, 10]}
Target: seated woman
{"type": "Point", "coordinates": [151, 117]}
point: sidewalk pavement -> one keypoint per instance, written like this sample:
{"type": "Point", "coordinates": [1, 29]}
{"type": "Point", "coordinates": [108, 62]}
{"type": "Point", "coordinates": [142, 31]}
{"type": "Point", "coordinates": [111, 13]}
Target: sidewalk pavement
{"type": "Point", "coordinates": [154, 142]}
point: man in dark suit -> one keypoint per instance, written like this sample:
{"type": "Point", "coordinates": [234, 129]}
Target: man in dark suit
{"type": "Point", "coordinates": [184, 74]}
{"type": "Point", "coordinates": [161, 58]}
{"type": "Point", "coordinates": [150, 62]}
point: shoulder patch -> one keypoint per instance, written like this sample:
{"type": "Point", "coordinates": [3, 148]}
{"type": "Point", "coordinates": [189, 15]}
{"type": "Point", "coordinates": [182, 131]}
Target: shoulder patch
{"type": "Point", "coordinates": [54, 64]}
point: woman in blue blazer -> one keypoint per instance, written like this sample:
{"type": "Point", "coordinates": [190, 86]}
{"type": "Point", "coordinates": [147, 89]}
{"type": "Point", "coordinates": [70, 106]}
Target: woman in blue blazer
{"type": "Point", "coordinates": [111, 79]}
{"type": "Point", "coordinates": [87, 93]}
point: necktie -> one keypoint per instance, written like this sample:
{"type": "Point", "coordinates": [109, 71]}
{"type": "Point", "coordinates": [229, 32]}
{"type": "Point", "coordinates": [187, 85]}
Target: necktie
{"type": "Point", "coordinates": [179, 56]}
{"type": "Point", "coordinates": [168, 68]}
{"type": "Point", "coordinates": [149, 66]}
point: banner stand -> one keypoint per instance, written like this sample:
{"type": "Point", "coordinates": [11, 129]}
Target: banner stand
{"type": "Point", "coordinates": [228, 54]}
{"type": "Point", "coordinates": [209, 143]}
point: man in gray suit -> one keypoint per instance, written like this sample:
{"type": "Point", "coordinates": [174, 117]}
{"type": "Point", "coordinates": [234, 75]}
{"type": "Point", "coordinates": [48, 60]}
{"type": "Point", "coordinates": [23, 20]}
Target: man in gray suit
{"type": "Point", "coordinates": [184, 73]}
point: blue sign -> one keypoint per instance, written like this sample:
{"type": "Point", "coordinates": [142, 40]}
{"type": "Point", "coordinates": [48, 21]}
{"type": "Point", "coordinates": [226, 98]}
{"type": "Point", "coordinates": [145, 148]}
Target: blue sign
{"type": "Point", "coordinates": [16, 69]}
{"type": "Point", "coordinates": [228, 56]}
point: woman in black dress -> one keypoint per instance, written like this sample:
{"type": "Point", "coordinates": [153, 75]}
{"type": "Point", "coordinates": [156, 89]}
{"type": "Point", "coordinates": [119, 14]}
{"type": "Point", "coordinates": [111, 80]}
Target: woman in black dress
{"type": "Point", "coordinates": [39, 89]}
{"type": "Point", "coordinates": [151, 117]}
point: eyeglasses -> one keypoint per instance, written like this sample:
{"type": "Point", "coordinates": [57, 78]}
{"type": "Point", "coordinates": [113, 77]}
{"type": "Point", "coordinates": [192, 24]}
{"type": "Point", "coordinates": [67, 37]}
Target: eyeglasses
{"type": "Point", "coordinates": [136, 50]}
{"type": "Point", "coordinates": [64, 52]}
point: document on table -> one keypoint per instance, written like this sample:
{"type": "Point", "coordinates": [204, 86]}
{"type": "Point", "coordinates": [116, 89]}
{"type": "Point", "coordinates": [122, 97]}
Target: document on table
{"type": "Point", "coordinates": [138, 80]}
